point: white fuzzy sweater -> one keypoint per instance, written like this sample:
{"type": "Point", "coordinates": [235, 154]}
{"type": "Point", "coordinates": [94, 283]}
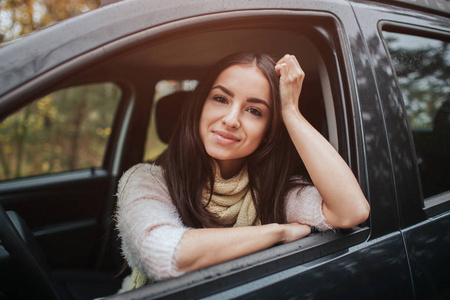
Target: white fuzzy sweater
{"type": "Point", "coordinates": [151, 229]}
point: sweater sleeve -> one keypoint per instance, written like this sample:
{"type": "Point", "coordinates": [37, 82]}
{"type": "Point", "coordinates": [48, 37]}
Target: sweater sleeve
{"type": "Point", "coordinates": [148, 222]}
{"type": "Point", "coordinates": [304, 205]}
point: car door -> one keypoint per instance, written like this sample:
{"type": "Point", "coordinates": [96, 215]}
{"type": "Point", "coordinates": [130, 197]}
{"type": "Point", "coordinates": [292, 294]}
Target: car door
{"type": "Point", "coordinates": [412, 72]}
{"type": "Point", "coordinates": [56, 172]}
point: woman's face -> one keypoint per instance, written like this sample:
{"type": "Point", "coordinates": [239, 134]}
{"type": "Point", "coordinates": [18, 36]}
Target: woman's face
{"type": "Point", "coordinates": [235, 116]}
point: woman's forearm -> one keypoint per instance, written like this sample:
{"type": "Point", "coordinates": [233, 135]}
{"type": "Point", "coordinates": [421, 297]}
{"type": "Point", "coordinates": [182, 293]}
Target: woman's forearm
{"type": "Point", "coordinates": [201, 248]}
{"type": "Point", "coordinates": [344, 204]}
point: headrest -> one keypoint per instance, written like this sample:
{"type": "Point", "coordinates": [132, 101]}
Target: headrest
{"type": "Point", "coordinates": [168, 111]}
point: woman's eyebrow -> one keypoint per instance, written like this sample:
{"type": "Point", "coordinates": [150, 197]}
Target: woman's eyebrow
{"type": "Point", "coordinates": [257, 100]}
{"type": "Point", "coordinates": [231, 94]}
{"type": "Point", "coordinates": [224, 89]}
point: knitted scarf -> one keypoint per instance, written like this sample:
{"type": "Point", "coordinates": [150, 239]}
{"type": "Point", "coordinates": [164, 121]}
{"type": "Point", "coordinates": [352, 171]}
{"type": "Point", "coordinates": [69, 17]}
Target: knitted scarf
{"type": "Point", "coordinates": [231, 201]}
{"type": "Point", "coordinates": [231, 205]}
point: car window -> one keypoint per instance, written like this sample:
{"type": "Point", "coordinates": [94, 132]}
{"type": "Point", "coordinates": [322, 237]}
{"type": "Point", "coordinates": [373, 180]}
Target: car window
{"type": "Point", "coordinates": [65, 130]}
{"type": "Point", "coordinates": [422, 67]}
{"type": "Point", "coordinates": [156, 144]}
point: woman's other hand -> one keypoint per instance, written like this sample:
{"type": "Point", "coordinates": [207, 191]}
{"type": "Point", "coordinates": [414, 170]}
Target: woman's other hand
{"type": "Point", "coordinates": [295, 231]}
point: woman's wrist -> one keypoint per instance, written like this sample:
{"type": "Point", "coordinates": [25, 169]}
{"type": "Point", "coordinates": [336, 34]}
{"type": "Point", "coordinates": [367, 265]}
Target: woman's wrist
{"type": "Point", "coordinates": [293, 231]}
{"type": "Point", "coordinates": [290, 109]}
{"type": "Point", "coordinates": [291, 116]}
{"type": "Point", "coordinates": [276, 232]}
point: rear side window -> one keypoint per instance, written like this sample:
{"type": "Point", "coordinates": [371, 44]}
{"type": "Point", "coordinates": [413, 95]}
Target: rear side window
{"type": "Point", "coordinates": [422, 66]}
{"type": "Point", "coordinates": [62, 131]}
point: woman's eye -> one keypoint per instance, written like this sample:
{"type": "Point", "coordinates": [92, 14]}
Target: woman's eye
{"type": "Point", "coordinates": [254, 111]}
{"type": "Point", "coordinates": [220, 99]}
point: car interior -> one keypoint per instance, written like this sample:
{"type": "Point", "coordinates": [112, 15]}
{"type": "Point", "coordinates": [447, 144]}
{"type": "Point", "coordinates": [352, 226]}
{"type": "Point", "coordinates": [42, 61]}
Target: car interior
{"type": "Point", "coordinates": [136, 68]}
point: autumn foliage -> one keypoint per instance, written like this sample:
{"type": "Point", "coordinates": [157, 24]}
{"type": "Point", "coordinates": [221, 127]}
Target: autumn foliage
{"type": "Point", "coordinates": [18, 17]}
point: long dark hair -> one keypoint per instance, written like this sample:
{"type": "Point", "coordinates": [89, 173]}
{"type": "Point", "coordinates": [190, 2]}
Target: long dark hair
{"type": "Point", "coordinates": [188, 168]}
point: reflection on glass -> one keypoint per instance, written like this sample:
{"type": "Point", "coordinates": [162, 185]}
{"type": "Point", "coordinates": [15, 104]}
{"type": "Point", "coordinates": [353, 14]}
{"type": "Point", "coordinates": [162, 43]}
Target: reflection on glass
{"type": "Point", "coordinates": [422, 66]}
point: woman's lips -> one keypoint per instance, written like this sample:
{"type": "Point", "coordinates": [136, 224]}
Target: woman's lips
{"type": "Point", "coordinates": [225, 138]}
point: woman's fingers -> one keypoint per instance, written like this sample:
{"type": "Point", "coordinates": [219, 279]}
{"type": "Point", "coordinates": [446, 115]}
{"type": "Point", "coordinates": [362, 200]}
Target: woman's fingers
{"type": "Point", "coordinates": [295, 61]}
{"type": "Point", "coordinates": [294, 68]}
{"type": "Point", "coordinates": [290, 71]}
{"type": "Point", "coordinates": [295, 231]}
{"type": "Point", "coordinates": [292, 64]}
{"type": "Point", "coordinates": [284, 58]}
{"type": "Point", "coordinates": [282, 70]}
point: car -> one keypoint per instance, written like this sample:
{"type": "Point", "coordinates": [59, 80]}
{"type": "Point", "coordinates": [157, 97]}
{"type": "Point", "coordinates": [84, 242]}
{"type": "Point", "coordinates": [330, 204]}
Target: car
{"type": "Point", "coordinates": [84, 100]}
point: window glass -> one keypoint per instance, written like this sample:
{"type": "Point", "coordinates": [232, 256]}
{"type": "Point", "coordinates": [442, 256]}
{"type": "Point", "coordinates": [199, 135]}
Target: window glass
{"type": "Point", "coordinates": [155, 144]}
{"type": "Point", "coordinates": [423, 68]}
{"type": "Point", "coordinates": [62, 131]}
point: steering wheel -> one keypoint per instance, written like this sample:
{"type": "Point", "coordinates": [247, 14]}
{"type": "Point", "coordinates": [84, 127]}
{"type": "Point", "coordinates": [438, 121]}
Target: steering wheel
{"type": "Point", "coordinates": [31, 270]}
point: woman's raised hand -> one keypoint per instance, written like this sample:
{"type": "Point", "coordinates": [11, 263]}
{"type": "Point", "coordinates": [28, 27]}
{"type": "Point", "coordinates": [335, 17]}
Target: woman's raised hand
{"type": "Point", "coordinates": [291, 81]}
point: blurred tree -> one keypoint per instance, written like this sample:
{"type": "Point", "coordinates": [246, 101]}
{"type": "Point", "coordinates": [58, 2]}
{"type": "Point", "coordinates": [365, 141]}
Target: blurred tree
{"type": "Point", "coordinates": [18, 17]}
{"type": "Point", "coordinates": [62, 131]}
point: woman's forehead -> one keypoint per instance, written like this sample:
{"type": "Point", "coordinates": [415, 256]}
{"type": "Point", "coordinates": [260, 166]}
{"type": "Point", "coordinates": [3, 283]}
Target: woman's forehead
{"type": "Point", "coordinates": [244, 78]}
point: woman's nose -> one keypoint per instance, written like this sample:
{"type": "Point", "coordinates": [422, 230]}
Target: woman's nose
{"type": "Point", "coordinates": [231, 119]}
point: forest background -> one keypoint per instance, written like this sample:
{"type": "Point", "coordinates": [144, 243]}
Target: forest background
{"type": "Point", "coordinates": [18, 17]}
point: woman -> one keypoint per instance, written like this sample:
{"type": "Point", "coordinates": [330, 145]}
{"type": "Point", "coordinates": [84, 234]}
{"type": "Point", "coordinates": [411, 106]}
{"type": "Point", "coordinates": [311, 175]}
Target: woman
{"type": "Point", "coordinates": [230, 165]}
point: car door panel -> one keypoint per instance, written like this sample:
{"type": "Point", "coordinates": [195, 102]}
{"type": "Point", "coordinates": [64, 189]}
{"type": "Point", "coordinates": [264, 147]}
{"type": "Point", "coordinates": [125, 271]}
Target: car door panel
{"type": "Point", "coordinates": [428, 245]}
{"type": "Point", "coordinates": [380, 263]}
{"type": "Point", "coordinates": [63, 212]}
